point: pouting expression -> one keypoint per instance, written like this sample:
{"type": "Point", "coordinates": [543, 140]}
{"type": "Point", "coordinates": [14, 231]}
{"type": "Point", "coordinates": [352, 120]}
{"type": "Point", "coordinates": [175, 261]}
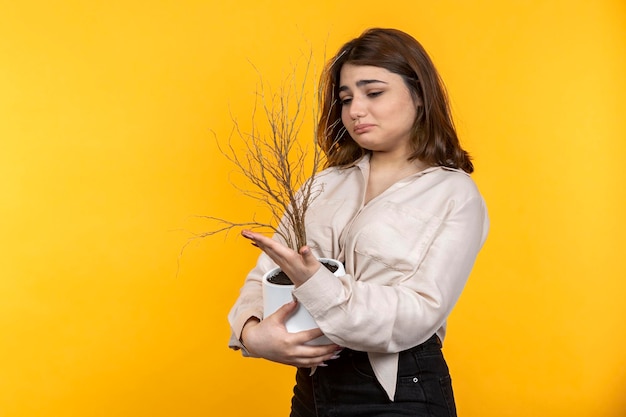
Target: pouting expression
{"type": "Point", "coordinates": [378, 109]}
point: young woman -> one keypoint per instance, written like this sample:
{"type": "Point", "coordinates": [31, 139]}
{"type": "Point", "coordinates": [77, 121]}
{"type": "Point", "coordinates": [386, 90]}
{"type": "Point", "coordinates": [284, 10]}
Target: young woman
{"type": "Point", "coordinates": [399, 209]}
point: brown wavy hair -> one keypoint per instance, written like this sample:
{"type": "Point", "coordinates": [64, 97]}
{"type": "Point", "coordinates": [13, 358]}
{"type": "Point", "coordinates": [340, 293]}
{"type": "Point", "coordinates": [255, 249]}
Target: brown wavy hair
{"type": "Point", "coordinates": [434, 137]}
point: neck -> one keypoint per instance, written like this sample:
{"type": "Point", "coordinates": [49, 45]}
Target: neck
{"type": "Point", "coordinates": [381, 161]}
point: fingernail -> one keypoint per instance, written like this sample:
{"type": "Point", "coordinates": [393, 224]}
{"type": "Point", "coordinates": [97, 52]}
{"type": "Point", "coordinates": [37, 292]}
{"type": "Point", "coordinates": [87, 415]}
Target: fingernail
{"type": "Point", "coordinates": [323, 364]}
{"type": "Point", "coordinates": [335, 357]}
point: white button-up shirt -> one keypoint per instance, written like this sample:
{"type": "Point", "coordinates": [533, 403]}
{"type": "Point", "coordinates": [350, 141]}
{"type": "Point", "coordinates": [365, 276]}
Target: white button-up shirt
{"type": "Point", "coordinates": [407, 253]}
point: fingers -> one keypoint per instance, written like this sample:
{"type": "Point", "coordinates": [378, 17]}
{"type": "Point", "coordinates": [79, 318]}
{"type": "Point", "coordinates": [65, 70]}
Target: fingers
{"type": "Point", "coordinates": [305, 336]}
{"type": "Point", "coordinates": [309, 356]}
{"type": "Point", "coordinates": [259, 240]}
{"type": "Point", "coordinates": [301, 352]}
{"type": "Point", "coordinates": [313, 355]}
{"type": "Point", "coordinates": [307, 257]}
{"type": "Point", "coordinates": [275, 250]}
{"type": "Point", "coordinates": [299, 266]}
{"type": "Point", "coordinates": [269, 339]}
{"type": "Point", "coordinates": [308, 335]}
{"type": "Point", "coordinates": [283, 313]}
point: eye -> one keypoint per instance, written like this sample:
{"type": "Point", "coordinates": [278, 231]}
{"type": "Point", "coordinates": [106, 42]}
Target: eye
{"type": "Point", "coordinates": [374, 94]}
{"type": "Point", "coordinates": [345, 100]}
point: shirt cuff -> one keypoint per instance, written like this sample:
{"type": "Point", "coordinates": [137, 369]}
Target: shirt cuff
{"type": "Point", "coordinates": [322, 282]}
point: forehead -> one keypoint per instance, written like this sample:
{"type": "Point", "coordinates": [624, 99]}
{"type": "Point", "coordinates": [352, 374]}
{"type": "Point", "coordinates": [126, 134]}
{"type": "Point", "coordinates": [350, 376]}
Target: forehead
{"type": "Point", "coordinates": [350, 74]}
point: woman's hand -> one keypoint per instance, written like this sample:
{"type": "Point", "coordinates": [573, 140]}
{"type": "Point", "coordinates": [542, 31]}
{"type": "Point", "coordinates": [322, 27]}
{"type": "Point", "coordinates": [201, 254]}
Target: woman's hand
{"type": "Point", "coordinates": [299, 266]}
{"type": "Point", "coordinates": [269, 339]}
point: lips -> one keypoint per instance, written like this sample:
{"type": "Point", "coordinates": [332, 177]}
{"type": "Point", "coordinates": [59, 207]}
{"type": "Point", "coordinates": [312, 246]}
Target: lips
{"type": "Point", "coordinates": [362, 128]}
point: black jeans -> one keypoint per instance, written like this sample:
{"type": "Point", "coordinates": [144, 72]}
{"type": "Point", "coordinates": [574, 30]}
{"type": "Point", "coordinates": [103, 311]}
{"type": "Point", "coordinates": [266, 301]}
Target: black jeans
{"type": "Point", "coordinates": [348, 387]}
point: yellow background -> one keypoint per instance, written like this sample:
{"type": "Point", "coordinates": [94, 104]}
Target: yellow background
{"type": "Point", "coordinates": [106, 154]}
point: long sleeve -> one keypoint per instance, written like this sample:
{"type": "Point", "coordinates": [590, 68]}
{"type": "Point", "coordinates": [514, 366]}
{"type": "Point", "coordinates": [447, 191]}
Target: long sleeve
{"type": "Point", "coordinates": [249, 303]}
{"type": "Point", "coordinates": [389, 308]}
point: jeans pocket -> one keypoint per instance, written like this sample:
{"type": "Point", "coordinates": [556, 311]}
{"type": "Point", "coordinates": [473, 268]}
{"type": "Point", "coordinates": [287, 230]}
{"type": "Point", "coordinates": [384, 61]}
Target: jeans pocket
{"type": "Point", "coordinates": [361, 365]}
{"type": "Point", "coordinates": [410, 389]}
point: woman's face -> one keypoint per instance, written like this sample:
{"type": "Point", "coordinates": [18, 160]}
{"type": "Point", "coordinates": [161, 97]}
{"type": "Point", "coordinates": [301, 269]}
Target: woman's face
{"type": "Point", "coordinates": [378, 109]}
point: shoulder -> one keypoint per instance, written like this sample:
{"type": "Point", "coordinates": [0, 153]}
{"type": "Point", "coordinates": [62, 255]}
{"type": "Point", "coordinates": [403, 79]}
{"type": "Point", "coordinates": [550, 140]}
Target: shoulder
{"type": "Point", "coordinates": [452, 182]}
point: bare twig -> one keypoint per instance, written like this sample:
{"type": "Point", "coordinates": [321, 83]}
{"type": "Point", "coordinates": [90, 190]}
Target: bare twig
{"type": "Point", "coordinates": [277, 164]}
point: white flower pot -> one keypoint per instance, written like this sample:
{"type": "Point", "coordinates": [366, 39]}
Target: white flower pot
{"type": "Point", "coordinates": [276, 295]}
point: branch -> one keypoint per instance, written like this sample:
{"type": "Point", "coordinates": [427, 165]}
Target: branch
{"type": "Point", "coordinates": [274, 160]}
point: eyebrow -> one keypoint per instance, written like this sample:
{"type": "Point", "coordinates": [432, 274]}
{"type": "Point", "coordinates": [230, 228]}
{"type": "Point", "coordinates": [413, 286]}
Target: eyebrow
{"type": "Point", "coordinates": [361, 83]}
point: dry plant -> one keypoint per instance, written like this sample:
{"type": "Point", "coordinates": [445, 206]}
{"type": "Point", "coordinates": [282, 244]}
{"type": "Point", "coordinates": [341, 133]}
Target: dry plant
{"type": "Point", "coordinates": [279, 166]}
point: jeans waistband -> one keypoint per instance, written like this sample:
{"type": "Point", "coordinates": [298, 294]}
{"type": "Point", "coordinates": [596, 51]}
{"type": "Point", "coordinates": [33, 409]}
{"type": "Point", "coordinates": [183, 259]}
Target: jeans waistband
{"type": "Point", "coordinates": [433, 343]}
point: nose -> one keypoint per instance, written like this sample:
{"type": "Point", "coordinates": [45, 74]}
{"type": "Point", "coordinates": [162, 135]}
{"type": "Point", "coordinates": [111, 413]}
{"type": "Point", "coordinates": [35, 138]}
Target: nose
{"type": "Point", "coordinates": [357, 108]}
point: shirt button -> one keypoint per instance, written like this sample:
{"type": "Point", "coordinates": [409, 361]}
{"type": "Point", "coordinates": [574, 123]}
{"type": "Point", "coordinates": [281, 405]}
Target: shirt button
{"type": "Point", "coordinates": [415, 379]}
